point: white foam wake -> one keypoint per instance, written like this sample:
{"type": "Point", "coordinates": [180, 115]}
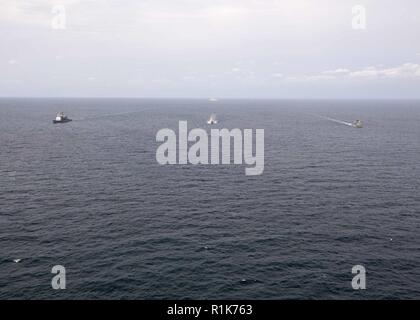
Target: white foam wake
{"type": "Point", "coordinates": [338, 121]}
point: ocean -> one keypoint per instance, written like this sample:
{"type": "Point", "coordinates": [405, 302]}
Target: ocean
{"type": "Point", "coordinates": [89, 195]}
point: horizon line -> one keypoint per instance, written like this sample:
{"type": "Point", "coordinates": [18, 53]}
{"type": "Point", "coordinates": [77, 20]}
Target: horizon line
{"type": "Point", "coordinates": [205, 98]}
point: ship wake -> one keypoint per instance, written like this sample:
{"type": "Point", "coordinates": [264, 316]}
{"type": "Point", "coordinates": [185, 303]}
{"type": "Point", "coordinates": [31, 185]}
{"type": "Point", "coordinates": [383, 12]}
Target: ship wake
{"type": "Point", "coordinates": [336, 120]}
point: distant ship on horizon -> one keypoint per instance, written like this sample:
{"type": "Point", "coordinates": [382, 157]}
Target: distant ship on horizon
{"type": "Point", "coordinates": [357, 124]}
{"type": "Point", "coordinates": [212, 119]}
{"type": "Point", "coordinates": [61, 118]}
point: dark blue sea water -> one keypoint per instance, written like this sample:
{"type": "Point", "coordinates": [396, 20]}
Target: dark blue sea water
{"type": "Point", "coordinates": [89, 195]}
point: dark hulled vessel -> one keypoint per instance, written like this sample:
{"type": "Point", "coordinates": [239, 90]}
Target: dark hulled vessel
{"type": "Point", "coordinates": [61, 118]}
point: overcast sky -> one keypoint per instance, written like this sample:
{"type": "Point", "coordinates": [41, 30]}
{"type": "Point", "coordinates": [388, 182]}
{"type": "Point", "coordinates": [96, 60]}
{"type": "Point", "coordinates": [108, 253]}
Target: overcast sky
{"type": "Point", "coordinates": [210, 48]}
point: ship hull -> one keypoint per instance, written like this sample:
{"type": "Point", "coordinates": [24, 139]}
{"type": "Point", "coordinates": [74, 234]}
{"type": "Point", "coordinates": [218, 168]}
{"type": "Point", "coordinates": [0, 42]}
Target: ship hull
{"type": "Point", "coordinates": [61, 121]}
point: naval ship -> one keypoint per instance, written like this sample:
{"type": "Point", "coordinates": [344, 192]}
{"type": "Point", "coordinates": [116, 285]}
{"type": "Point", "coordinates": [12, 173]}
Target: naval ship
{"type": "Point", "coordinates": [357, 124]}
{"type": "Point", "coordinates": [212, 120]}
{"type": "Point", "coordinates": [61, 118]}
